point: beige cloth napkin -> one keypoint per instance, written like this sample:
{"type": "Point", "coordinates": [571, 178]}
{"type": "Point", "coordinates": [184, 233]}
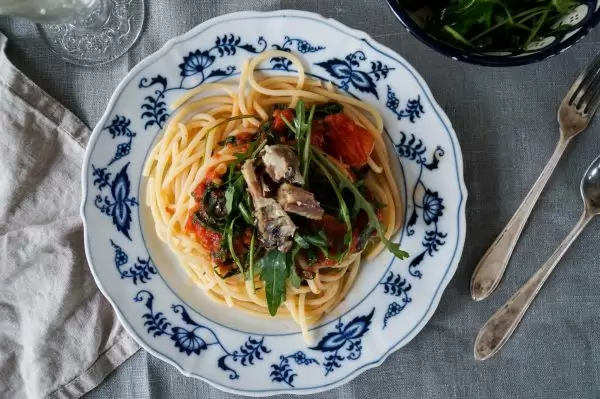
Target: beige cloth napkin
{"type": "Point", "coordinates": [59, 337]}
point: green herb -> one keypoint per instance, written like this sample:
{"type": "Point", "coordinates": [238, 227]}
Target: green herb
{"type": "Point", "coordinates": [274, 272]}
{"type": "Point", "coordinates": [293, 278]}
{"type": "Point", "coordinates": [318, 240]}
{"type": "Point", "coordinates": [311, 257]}
{"type": "Point", "coordinates": [305, 161]}
{"type": "Point", "coordinates": [233, 118]}
{"type": "Point", "coordinates": [493, 25]}
{"type": "Point", "coordinates": [203, 219]}
{"type": "Point", "coordinates": [344, 213]}
{"type": "Point", "coordinates": [214, 202]}
{"type": "Point", "coordinates": [360, 202]}
{"type": "Point", "coordinates": [301, 241]}
{"type": "Point", "coordinates": [301, 126]}
{"type": "Point", "coordinates": [252, 151]}
{"type": "Point", "coordinates": [246, 213]}
{"type": "Point", "coordinates": [230, 197]}
{"type": "Point", "coordinates": [228, 140]}
{"type": "Point", "coordinates": [250, 275]}
{"type": "Point", "coordinates": [322, 110]}
{"type": "Point", "coordinates": [229, 236]}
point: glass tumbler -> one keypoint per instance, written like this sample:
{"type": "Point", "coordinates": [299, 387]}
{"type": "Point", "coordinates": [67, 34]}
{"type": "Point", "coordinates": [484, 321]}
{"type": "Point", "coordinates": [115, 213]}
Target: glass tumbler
{"type": "Point", "coordinates": [83, 32]}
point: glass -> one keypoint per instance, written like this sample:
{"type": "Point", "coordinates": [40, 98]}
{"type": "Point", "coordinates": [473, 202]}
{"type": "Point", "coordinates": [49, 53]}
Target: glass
{"type": "Point", "coordinates": [83, 32]}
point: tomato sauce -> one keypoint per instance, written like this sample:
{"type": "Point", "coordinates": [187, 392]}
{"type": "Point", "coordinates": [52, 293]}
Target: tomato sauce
{"type": "Point", "coordinates": [279, 125]}
{"type": "Point", "coordinates": [318, 132]}
{"type": "Point", "coordinates": [347, 140]}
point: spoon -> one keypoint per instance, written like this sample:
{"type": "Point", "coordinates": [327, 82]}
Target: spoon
{"type": "Point", "coordinates": [498, 329]}
{"type": "Point", "coordinates": [574, 115]}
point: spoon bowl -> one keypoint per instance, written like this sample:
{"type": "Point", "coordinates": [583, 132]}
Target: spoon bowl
{"type": "Point", "coordinates": [590, 188]}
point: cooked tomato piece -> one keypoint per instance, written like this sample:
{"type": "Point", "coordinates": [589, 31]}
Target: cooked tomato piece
{"type": "Point", "coordinates": [209, 239]}
{"type": "Point", "coordinates": [359, 225]}
{"type": "Point", "coordinates": [335, 231]}
{"type": "Point", "coordinates": [247, 239]}
{"type": "Point", "coordinates": [244, 138]}
{"type": "Point", "coordinates": [238, 245]}
{"type": "Point", "coordinates": [333, 227]}
{"type": "Point", "coordinates": [355, 239]}
{"type": "Point", "coordinates": [369, 196]}
{"type": "Point", "coordinates": [348, 141]}
{"type": "Point", "coordinates": [279, 125]}
{"type": "Point", "coordinates": [322, 260]}
{"type": "Point", "coordinates": [189, 226]}
{"type": "Point", "coordinates": [211, 175]}
{"type": "Point", "coordinates": [198, 192]}
{"type": "Point", "coordinates": [317, 133]}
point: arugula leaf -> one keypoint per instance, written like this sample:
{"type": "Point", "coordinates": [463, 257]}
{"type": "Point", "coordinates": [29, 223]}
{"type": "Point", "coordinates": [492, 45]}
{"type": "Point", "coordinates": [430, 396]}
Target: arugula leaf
{"type": "Point", "coordinates": [274, 272]}
{"type": "Point", "coordinates": [299, 123]}
{"type": "Point", "coordinates": [231, 139]}
{"type": "Point", "coordinates": [230, 195]}
{"type": "Point", "coordinates": [250, 275]}
{"type": "Point", "coordinates": [344, 213]}
{"type": "Point", "coordinates": [301, 241]}
{"type": "Point", "coordinates": [257, 267]}
{"type": "Point", "coordinates": [252, 151]}
{"type": "Point", "coordinates": [246, 214]}
{"type": "Point", "coordinates": [319, 241]}
{"type": "Point", "coordinates": [234, 191]}
{"type": "Point", "coordinates": [305, 161]}
{"type": "Point", "coordinates": [228, 140]}
{"type": "Point", "coordinates": [494, 25]}
{"type": "Point", "coordinates": [311, 257]}
{"type": "Point", "coordinates": [229, 236]}
{"type": "Point", "coordinates": [565, 6]}
{"type": "Point", "coordinates": [203, 219]}
{"type": "Point", "coordinates": [301, 126]}
{"type": "Point", "coordinates": [323, 110]}
{"type": "Point", "coordinates": [360, 202]}
{"type": "Point", "coordinates": [294, 279]}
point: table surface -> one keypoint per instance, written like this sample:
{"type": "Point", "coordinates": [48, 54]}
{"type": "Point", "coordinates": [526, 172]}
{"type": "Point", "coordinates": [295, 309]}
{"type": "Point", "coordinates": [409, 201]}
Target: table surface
{"type": "Point", "coordinates": [505, 120]}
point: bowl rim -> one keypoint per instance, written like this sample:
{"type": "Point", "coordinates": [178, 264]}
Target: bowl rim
{"type": "Point", "coordinates": [487, 60]}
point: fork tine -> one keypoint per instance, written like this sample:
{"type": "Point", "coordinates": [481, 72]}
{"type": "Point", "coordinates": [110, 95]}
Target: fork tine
{"type": "Point", "coordinates": [591, 105]}
{"type": "Point", "coordinates": [587, 94]}
{"type": "Point", "coordinates": [581, 84]}
{"type": "Point", "coordinates": [590, 86]}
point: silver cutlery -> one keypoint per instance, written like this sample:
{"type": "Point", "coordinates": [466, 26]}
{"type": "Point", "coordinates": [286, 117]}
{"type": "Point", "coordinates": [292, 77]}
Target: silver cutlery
{"type": "Point", "coordinates": [574, 115]}
{"type": "Point", "coordinates": [498, 329]}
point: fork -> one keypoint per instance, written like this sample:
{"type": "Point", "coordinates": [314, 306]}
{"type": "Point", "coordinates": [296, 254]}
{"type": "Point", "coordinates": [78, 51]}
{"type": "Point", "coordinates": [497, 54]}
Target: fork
{"type": "Point", "coordinates": [574, 115]}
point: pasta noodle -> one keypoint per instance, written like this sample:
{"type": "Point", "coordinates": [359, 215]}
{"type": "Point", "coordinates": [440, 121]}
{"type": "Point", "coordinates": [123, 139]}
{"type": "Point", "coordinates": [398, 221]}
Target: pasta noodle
{"type": "Point", "coordinates": [189, 149]}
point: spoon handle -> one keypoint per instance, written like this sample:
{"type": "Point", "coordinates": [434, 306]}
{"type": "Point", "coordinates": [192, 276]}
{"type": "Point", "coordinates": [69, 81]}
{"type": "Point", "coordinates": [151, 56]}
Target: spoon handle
{"type": "Point", "coordinates": [491, 267]}
{"type": "Point", "coordinates": [498, 329]}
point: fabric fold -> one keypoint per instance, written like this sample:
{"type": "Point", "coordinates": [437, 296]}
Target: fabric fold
{"type": "Point", "coordinates": [59, 336]}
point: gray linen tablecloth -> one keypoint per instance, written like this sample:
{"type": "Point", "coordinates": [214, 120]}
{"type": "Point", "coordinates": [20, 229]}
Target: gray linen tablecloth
{"type": "Point", "coordinates": [506, 123]}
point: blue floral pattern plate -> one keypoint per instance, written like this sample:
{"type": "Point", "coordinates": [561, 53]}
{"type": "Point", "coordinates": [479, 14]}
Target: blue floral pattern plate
{"type": "Point", "coordinates": [391, 301]}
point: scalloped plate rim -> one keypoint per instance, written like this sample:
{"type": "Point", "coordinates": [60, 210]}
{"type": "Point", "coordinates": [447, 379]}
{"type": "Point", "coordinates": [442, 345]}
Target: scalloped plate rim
{"type": "Point", "coordinates": [382, 49]}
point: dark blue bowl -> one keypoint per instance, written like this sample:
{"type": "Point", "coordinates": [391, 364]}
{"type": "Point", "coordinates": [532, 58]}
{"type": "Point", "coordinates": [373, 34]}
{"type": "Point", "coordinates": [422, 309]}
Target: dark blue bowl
{"type": "Point", "coordinates": [581, 21]}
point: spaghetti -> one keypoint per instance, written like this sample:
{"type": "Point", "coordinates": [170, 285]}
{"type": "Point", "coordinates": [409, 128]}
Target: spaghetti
{"type": "Point", "coordinates": [211, 212]}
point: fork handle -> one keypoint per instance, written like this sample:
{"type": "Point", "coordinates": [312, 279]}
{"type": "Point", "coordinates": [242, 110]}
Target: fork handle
{"type": "Point", "coordinates": [498, 329]}
{"type": "Point", "coordinates": [491, 267]}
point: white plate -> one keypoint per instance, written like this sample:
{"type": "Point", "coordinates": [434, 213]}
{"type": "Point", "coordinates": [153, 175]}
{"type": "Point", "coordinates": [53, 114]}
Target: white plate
{"type": "Point", "coordinates": [391, 301]}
